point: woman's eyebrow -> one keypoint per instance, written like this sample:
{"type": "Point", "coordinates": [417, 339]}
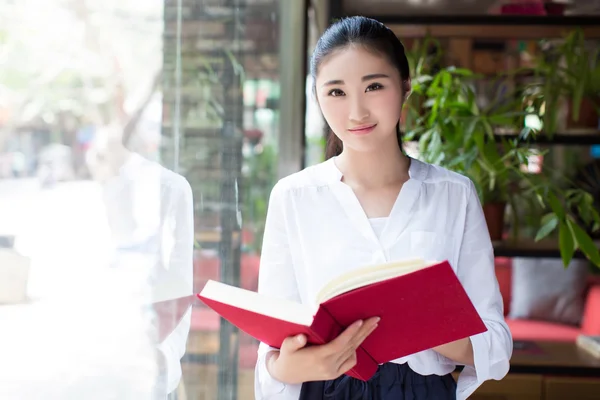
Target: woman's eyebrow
{"type": "Point", "coordinates": [373, 76]}
{"type": "Point", "coordinates": [364, 78]}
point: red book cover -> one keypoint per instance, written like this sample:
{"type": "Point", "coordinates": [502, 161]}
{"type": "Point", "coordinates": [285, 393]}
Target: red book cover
{"type": "Point", "coordinates": [418, 310]}
{"type": "Point", "coordinates": [273, 331]}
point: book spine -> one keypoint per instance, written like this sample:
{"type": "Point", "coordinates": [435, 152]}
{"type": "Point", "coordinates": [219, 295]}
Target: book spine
{"type": "Point", "coordinates": [325, 326]}
{"type": "Point", "coordinates": [365, 366]}
{"type": "Point", "coordinates": [328, 328]}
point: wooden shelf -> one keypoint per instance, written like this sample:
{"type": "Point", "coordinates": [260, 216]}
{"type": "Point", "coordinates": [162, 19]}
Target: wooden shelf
{"type": "Point", "coordinates": [554, 358]}
{"type": "Point", "coordinates": [568, 139]}
{"type": "Point", "coordinates": [565, 139]}
{"type": "Point", "coordinates": [504, 27]}
{"type": "Point", "coordinates": [548, 371]}
{"type": "Point", "coordinates": [500, 32]}
{"type": "Point", "coordinates": [530, 249]}
{"type": "Point", "coordinates": [514, 20]}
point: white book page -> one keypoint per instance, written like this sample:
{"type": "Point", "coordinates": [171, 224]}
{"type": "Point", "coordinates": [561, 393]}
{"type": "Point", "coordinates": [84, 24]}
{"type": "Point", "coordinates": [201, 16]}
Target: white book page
{"type": "Point", "coordinates": [369, 275]}
{"type": "Point", "coordinates": [282, 309]}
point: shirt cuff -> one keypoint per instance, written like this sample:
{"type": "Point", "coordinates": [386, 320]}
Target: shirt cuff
{"type": "Point", "coordinates": [173, 349]}
{"type": "Point", "coordinates": [481, 357]}
{"type": "Point", "coordinates": [172, 366]}
{"type": "Point", "coordinates": [265, 385]}
{"type": "Point", "coordinates": [172, 370]}
{"type": "Point", "coordinates": [472, 377]}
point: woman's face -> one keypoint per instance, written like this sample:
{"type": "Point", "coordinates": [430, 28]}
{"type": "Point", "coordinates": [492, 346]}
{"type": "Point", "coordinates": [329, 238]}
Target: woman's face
{"type": "Point", "coordinates": [360, 95]}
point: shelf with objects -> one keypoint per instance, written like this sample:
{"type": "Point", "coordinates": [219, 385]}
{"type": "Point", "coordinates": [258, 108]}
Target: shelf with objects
{"type": "Point", "coordinates": [517, 110]}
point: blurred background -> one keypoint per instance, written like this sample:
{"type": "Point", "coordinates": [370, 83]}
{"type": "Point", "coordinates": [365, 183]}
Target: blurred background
{"type": "Point", "coordinates": [140, 139]}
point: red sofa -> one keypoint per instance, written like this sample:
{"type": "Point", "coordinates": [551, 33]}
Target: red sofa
{"type": "Point", "coordinates": [523, 329]}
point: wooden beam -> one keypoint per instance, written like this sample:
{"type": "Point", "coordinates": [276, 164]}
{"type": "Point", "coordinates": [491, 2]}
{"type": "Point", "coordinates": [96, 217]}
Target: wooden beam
{"type": "Point", "coordinates": [292, 68]}
{"type": "Point", "coordinates": [489, 32]}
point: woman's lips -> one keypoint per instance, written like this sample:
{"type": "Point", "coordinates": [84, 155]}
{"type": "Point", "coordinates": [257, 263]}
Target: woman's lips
{"type": "Point", "coordinates": [361, 130]}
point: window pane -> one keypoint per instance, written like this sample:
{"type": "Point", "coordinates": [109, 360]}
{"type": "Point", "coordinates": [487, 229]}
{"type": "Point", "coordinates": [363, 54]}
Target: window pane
{"type": "Point", "coordinates": [138, 147]}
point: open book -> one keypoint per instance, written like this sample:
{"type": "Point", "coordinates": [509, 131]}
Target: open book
{"type": "Point", "coordinates": [421, 305]}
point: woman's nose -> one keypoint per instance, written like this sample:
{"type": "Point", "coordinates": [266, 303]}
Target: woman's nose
{"type": "Point", "coordinates": [358, 111]}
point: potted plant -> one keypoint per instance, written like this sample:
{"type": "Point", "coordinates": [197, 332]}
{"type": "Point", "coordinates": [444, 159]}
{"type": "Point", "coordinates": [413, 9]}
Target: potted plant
{"type": "Point", "coordinates": [566, 92]}
{"type": "Point", "coordinates": [456, 132]}
{"type": "Point", "coordinates": [582, 80]}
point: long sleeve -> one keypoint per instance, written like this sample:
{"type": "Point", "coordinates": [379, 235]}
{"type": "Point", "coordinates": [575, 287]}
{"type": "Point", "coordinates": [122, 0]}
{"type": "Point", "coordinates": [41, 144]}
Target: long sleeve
{"type": "Point", "coordinates": [177, 274]}
{"type": "Point", "coordinates": [276, 278]}
{"type": "Point", "coordinates": [172, 349]}
{"type": "Point", "coordinates": [492, 349]}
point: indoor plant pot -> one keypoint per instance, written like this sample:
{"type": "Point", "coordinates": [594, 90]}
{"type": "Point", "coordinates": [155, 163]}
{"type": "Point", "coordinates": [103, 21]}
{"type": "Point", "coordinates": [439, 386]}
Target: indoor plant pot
{"type": "Point", "coordinates": [494, 217]}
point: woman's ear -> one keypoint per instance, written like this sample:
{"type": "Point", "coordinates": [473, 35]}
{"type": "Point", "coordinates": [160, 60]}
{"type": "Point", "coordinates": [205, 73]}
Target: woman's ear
{"type": "Point", "coordinates": [406, 88]}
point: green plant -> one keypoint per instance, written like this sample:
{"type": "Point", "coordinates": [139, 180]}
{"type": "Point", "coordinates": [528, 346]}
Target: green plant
{"type": "Point", "coordinates": [568, 68]}
{"type": "Point", "coordinates": [455, 132]}
{"type": "Point", "coordinates": [259, 178]}
{"type": "Point", "coordinates": [563, 217]}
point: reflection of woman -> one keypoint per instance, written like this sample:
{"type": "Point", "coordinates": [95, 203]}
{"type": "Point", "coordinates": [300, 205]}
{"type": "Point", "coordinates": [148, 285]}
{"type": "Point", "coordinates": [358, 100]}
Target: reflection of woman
{"type": "Point", "coordinates": [99, 252]}
{"type": "Point", "coordinates": [149, 212]}
{"type": "Point", "coordinates": [370, 203]}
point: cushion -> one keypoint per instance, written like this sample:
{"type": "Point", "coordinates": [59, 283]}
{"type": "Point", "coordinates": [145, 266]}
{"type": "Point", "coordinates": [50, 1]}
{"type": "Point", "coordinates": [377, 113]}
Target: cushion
{"type": "Point", "coordinates": [539, 330]}
{"type": "Point", "coordinates": [591, 320]}
{"type": "Point", "coordinates": [504, 276]}
{"type": "Point", "coordinates": [542, 289]}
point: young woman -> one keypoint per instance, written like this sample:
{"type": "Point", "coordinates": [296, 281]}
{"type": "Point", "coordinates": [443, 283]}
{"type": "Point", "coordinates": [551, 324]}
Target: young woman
{"type": "Point", "coordinates": [370, 203]}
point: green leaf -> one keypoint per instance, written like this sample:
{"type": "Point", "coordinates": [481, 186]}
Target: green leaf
{"type": "Point", "coordinates": [429, 103]}
{"type": "Point", "coordinates": [566, 243]}
{"type": "Point", "coordinates": [458, 106]}
{"type": "Point", "coordinates": [462, 71]}
{"type": "Point", "coordinates": [488, 128]}
{"type": "Point", "coordinates": [585, 243]}
{"type": "Point", "coordinates": [540, 200]}
{"type": "Point", "coordinates": [435, 83]}
{"type": "Point", "coordinates": [595, 216]}
{"type": "Point", "coordinates": [556, 206]}
{"type": "Point", "coordinates": [470, 129]}
{"type": "Point", "coordinates": [435, 149]}
{"type": "Point", "coordinates": [446, 79]}
{"type": "Point", "coordinates": [422, 79]}
{"type": "Point", "coordinates": [549, 223]}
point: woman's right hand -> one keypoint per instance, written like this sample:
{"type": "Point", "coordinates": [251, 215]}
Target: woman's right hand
{"type": "Point", "coordinates": [295, 363]}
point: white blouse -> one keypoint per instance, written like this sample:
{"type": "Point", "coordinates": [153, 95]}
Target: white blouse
{"type": "Point", "coordinates": [317, 229]}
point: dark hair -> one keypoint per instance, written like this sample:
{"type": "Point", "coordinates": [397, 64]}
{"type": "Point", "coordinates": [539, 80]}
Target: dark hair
{"type": "Point", "coordinates": [374, 36]}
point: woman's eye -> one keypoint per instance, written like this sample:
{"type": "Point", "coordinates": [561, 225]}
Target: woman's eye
{"type": "Point", "coordinates": [374, 86]}
{"type": "Point", "coordinates": [335, 93]}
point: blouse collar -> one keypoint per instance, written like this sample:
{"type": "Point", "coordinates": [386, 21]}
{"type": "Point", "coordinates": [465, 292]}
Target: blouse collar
{"type": "Point", "coordinates": [331, 173]}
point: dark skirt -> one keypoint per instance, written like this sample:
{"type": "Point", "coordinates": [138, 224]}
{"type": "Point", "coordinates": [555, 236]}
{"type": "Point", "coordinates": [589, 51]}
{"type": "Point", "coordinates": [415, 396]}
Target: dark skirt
{"type": "Point", "coordinates": [391, 381]}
